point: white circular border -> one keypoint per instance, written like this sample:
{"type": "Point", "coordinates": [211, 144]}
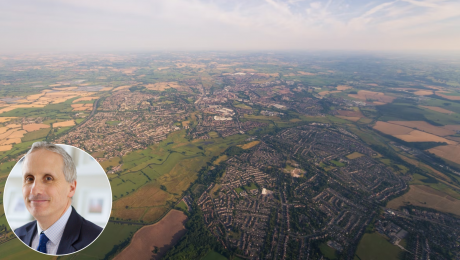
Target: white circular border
{"type": "Point", "coordinates": [108, 220]}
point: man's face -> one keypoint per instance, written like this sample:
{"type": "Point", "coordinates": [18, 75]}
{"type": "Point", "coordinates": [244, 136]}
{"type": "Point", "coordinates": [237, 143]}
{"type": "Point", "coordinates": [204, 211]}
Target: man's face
{"type": "Point", "coordinates": [44, 188]}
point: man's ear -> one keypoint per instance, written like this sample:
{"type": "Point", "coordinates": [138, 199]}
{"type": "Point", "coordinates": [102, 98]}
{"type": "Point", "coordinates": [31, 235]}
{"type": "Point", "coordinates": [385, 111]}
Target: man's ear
{"type": "Point", "coordinates": [73, 187]}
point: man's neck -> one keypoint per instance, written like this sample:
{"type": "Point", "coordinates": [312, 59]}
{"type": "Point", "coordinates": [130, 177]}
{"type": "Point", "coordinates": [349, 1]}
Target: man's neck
{"type": "Point", "coordinates": [48, 222]}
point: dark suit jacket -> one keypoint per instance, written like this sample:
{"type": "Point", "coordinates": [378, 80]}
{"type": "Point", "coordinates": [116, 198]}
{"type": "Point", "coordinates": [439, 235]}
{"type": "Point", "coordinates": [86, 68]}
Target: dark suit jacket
{"type": "Point", "coordinates": [78, 233]}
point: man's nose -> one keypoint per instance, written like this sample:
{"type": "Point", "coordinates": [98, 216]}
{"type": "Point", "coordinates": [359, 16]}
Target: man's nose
{"type": "Point", "coordinates": [37, 188]}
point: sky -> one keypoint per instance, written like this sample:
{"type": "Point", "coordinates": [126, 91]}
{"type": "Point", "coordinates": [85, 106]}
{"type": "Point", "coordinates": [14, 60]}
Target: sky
{"type": "Point", "coordinates": [149, 25]}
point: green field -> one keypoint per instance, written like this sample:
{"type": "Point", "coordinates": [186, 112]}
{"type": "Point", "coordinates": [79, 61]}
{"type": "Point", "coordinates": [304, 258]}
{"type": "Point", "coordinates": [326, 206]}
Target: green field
{"type": "Point", "coordinates": [113, 234]}
{"type": "Point", "coordinates": [327, 251]}
{"type": "Point", "coordinates": [115, 122]}
{"type": "Point", "coordinates": [377, 247]}
{"type": "Point", "coordinates": [34, 135]}
{"type": "Point", "coordinates": [15, 249]}
{"type": "Point", "coordinates": [55, 111]}
{"type": "Point", "coordinates": [449, 105]}
{"type": "Point", "coordinates": [163, 172]}
{"type": "Point", "coordinates": [241, 105]}
{"type": "Point", "coordinates": [337, 163]}
{"type": "Point", "coordinates": [213, 255]}
{"type": "Point", "coordinates": [182, 205]}
{"type": "Point", "coordinates": [408, 112]}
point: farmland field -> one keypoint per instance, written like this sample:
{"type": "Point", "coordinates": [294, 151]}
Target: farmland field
{"type": "Point", "coordinates": [424, 196]}
{"type": "Point", "coordinates": [145, 240]}
{"type": "Point", "coordinates": [377, 247]}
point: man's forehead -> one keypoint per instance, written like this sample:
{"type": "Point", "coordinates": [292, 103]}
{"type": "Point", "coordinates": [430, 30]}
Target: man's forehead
{"type": "Point", "coordinates": [42, 159]}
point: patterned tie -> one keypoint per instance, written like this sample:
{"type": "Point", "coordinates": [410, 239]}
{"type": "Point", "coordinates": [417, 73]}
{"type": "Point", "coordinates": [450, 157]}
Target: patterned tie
{"type": "Point", "coordinates": [42, 243]}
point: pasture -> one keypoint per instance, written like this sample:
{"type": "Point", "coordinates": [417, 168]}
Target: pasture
{"type": "Point", "coordinates": [376, 246]}
{"type": "Point", "coordinates": [155, 178]}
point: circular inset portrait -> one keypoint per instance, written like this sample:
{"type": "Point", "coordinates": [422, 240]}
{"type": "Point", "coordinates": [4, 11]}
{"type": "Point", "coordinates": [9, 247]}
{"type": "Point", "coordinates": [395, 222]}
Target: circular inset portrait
{"type": "Point", "coordinates": [57, 199]}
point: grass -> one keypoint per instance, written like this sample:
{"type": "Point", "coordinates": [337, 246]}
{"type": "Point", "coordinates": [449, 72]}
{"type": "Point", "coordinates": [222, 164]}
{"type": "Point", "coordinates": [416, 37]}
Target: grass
{"type": "Point", "coordinates": [452, 106]}
{"type": "Point", "coordinates": [213, 255]}
{"type": "Point", "coordinates": [111, 162]}
{"type": "Point", "coordinates": [408, 112]}
{"type": "Point", "coordinates": [252, 186]}
{"type": "Point", "coordinates": [241, 105]}
{"type": "Point", "coordinates": [112, 235]}
{"type": "Point", "coordinates": [79, 120]}
{"type": "Point", "coordinates": [249, 145]}
{"type": "Point", "coordinates": [6, 167]}
{"type": "Point", "coordinates": [156, 177]}
{"type": "Point", "coordinates": [15, 249]}
{"type": "Point", "coordinates": [61, 130]}
{"type": "Point", "coordinates": [220, 159]}
{"type": "Point", "coordinates": [377, 247]}
{"type": "Point", "coordinates": [50, 111]}
{"type": "Point", "coordinates": [114, 122]}
{"type": "Point", "coordinates": [418, 179]}
{"type": "Point", "coordinates": [327, 251]}
{"type": "Point", "coordinates": [182, 205]}
{"type": "Point", "coordinates": [213, 134]}
{"type": "Point", "coordinates": [354, 155]}
{"type": "Point", "coordinates": [34, 135]}
{"type": "Point", "coordinates": [337, 163]}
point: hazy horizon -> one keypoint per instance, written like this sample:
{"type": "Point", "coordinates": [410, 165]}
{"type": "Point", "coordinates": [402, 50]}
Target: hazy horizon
{"type": "Point", "coordinates": [200, 25]}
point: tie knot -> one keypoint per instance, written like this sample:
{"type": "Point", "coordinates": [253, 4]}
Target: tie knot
{"type": "Point", "coordinates": [42, 243]}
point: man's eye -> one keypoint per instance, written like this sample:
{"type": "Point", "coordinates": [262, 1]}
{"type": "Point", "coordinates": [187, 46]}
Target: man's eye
{"type": "Point", "coordinates": [28, 179]}
{"type": "Point", "coordinates": [49, 178]}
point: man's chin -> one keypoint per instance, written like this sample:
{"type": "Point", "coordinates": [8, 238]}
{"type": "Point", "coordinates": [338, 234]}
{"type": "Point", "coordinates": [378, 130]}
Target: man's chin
{"type": "Point", "coordinates": [39, 210]}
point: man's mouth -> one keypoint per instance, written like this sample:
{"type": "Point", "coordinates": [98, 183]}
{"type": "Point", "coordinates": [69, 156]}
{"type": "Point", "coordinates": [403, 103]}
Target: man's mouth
{"type": "Point", "coordinates": [38, 201]}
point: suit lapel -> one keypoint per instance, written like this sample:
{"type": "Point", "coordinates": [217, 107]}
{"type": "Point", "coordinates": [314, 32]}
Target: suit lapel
{"type": "Point", "coordinates": [30, 234]}
{"type": "Point", "coordinates": [71, 234]}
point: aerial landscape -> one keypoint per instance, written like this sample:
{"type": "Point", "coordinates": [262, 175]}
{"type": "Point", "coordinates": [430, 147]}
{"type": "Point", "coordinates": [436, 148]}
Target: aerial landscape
{"type": "Point", "coordinates": [231, 130]}
{"type": "Point", "coordinates": [228, 155]}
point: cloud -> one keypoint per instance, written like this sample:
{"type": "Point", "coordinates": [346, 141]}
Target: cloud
{"type": "Point", "coordinates": [226, 24]}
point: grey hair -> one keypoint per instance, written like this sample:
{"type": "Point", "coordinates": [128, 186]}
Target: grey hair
{"type": "Point", "coordinates": [70, 171]}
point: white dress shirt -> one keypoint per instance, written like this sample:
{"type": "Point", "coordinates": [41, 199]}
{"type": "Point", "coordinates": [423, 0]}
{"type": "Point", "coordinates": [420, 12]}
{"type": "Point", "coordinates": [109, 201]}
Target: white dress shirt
{"type": "Point", "coordinates": [54, 233]}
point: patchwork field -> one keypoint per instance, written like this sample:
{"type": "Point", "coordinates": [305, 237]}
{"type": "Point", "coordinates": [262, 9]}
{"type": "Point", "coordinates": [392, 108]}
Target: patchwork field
{"type": "Point", "coordinates": [82, 107]}
{"type": "Point", "coordinates": [34, 127]}
{"type": "Point", "coordinates": [425, 127]}
{"type": "Point", "coordinates": [324, 93]}
{"type": "Point", "coordinates": [144, 241]}
{"type": "Point", "coordinates": [424, 196]}
{"type": "Point", "coordinates": [419, 136]}
{"type": "Point", "coordinates": [439, 109]}
{"type": "Point", "coordinates": [249, 145]}
{"type": "Point", "coordinates": [354, 119]}
{"type": "Point", "coordinates": [161, 86]}
{"type": "Point", "coordinates": [9, 135]}
{"type": "Point", "coordinates": [6, 119]}
{"type": "Point", "coordinates": [349, 113]}
{"type": "Point", "coordinates": [306, 73]}
{"type": "Point", "coordinates": [122, 88]}
{"type": "Point", "coordinates": [84, 99]}
{"type": "Point", "coordinates": [452, 127]}
{"type": "Point", "coordinates": [391, 129]}
{"type": "Point", "coordinates": [372, 96]}
{"type": "Point", "coordinates": [410, 135]}
{"type": "Point", "coordinates": [343, 87]}
{"type": "Point", "coordinates": [448, 152]}
{"type": "Point", "coordinates": [443, 94]}
{"type": "Point", "coordinates": [64, 124]}
{"type": "Point", "coordinates": [423, 92]}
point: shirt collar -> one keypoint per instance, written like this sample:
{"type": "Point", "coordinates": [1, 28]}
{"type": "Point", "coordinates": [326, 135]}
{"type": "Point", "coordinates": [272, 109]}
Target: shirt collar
{"type": "Point", "coordinates": [54, 233]}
